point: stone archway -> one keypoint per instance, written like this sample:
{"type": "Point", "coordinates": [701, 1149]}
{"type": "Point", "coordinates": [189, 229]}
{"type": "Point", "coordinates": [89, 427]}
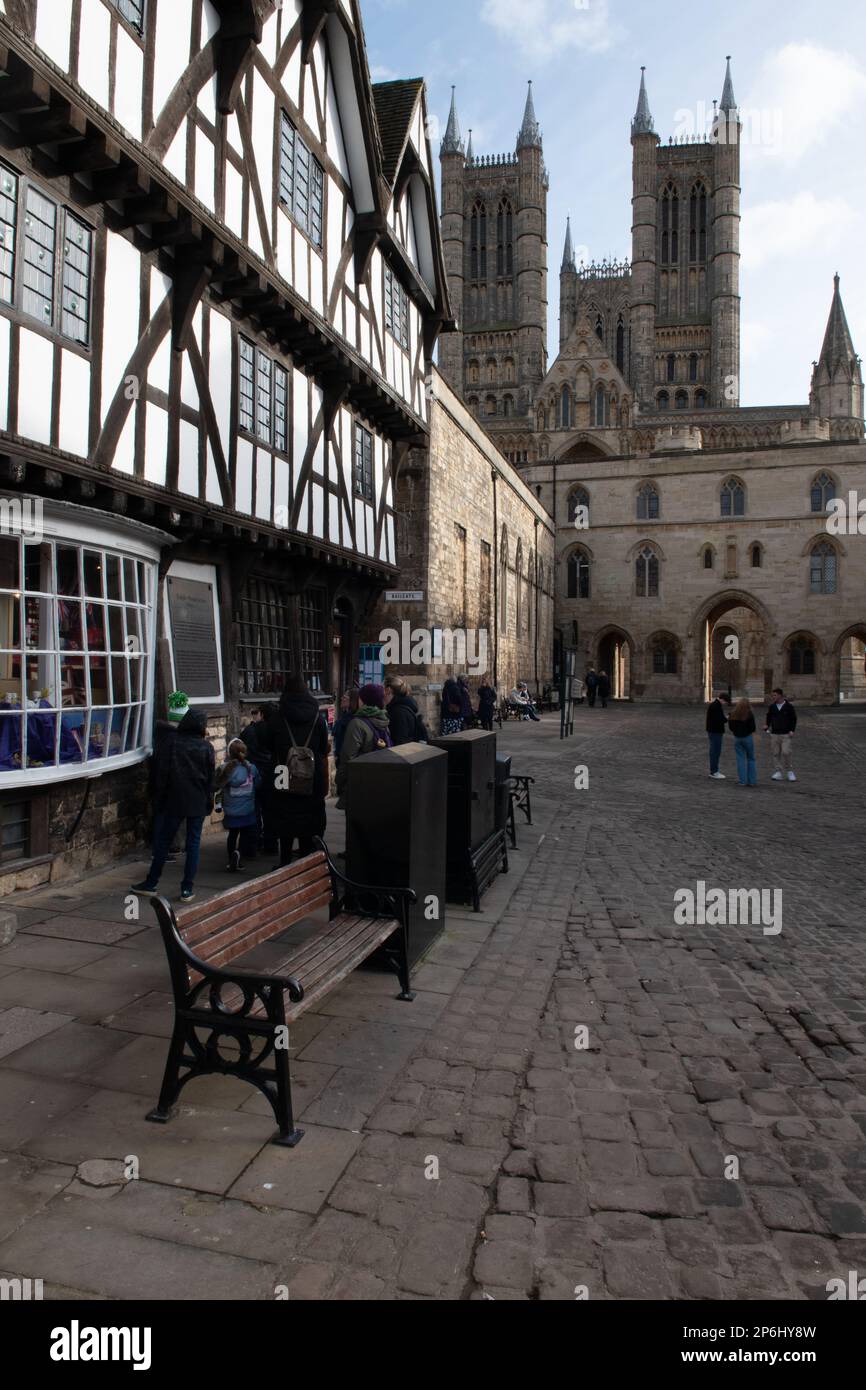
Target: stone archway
{"type": "Point", "coordinates": [614, 654]}
{"type": "Point", "coordinates": [732, 633]}
{"type": "Point", "coordinates": [849, 665]}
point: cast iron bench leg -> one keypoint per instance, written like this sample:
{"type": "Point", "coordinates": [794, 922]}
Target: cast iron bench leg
{"type": "Point", "coordinates": [170, 1089]}
{"type": "Point", "coordinates": [289, 1135]}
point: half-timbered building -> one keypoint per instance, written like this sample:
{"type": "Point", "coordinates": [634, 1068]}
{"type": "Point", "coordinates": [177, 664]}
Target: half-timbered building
{"type": "Point", "coordinates": [221, 282]}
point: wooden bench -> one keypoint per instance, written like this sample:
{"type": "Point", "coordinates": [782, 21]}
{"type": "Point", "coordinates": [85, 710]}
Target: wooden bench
{"type": "Point", "coordinates": [484, 863]}
{"type": "Point", "coordinates": [232, 1018]}
{"type": "Point", "coordinates": [520, 799]}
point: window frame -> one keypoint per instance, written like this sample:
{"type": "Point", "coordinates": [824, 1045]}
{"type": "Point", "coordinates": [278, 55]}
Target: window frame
{"type": "Point", "coordinates": [648, 494]}
{"type": "Point", "coordinates": [396, 309]}
{"type": "Point", "coordinates": [728, 491]}
{"type": "Point", "coordinates": [278, 375]}
{"type": "Point", "coordinates": [65, 216]}
{"type": "Point", "coordinates": [137, 26]}
{"type": "Point", "coordinates": [363, 485]}
{"type": "Point", "coordinates": [307, 211]}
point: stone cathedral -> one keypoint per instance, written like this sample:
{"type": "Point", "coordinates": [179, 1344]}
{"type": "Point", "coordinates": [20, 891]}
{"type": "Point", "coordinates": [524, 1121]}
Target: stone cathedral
{"type": "Point", "coordinates": [682, 518]}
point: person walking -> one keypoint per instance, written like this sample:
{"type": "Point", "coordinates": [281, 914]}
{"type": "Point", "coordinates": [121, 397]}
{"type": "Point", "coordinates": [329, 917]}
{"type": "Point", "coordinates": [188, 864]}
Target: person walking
{"type": "Point", "coordinates": [298, 741]}
{"type": "Point", "coordinates": [781, 724]}
{"type": "Point", "coordinates": [405, 724]}
{"type": "Point", "coordinates": [603, 688]}
{"type": "Point", "coordinates": [486, 704]}
{"type": "Point", "coordinates": [368, 732]}
{"type": "Point", "coordinates": [591, 684]}
{"type": "Point", "coordinates": [717, 720]}
{"type": "Point", "coordinates": [452, 707]}
{"type": "Point", "coordinates": [467, 713]}
{"type": "Point", "coordinates": [742, 726]}
{"type": "Point", "coordinates": [183, 785]}
{"type": "Point", "coordinates": [348, 710]}
{"type": "Point", "coordinates": [238, 779]}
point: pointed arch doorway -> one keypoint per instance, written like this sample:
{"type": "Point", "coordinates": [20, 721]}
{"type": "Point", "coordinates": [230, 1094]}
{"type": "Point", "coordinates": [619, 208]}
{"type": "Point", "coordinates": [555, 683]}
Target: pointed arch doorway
{"type": "Point", "coordinates": [734, 632]}
{"type": "Point", "coordinates": [613, 649]}
{"type": "Point", "coordinates": [850, 662]}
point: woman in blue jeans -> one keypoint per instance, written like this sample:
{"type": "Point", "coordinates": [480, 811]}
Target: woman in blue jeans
{"type": "Point", "coordinates": [742, 726]}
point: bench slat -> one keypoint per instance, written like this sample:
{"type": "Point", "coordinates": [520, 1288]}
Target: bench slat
{"type": "Point", "coordinates": [247, 898]}
{"type": "Point", "coordinates": [234, 936]}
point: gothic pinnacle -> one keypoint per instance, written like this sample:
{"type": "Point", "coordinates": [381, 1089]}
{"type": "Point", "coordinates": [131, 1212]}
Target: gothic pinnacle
{"type": "Point", "coordinates": [642, 122]}
{"type": "Point", "coordinates": [568, 253]}
{"type": "Point", "coordinates": [453, 142]}
{"type": "Point", "coordinates": [728, 102]}
{"type": "Point", "coordinates": [530, 131]}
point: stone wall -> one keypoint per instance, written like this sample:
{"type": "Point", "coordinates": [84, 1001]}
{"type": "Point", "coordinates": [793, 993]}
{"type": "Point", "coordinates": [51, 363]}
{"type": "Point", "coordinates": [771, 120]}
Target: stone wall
{"type": "Point", "coordinates": [461, 509]}
{"type": "Point", "coordinates": [776, 592]}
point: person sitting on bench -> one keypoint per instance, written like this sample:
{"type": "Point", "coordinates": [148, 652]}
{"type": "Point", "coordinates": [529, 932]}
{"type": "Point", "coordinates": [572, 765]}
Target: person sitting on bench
{"type": "Point", "coordinates": [522, 699]}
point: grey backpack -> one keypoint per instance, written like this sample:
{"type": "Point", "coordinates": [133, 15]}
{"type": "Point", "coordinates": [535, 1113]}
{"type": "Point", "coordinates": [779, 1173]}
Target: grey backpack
{"type": "Point", "coordinates": [301, 764]}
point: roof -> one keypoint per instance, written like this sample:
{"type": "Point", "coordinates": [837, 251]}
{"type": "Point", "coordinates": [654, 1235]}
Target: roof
{"type": "Point", "coordinates": [395, 105]}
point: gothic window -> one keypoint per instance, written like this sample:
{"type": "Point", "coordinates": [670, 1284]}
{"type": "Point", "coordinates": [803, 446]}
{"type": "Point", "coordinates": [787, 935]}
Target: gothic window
{"type": "Point", "coordinates": [664, 656]}
{"type": "Point", "coordinates": [503, 580]}
{"type": "Point", "coordinates": [666, 228]}
{"type": "Point", "coordinates": [675, 229]}
{"type": "Point", "coordinates": [578, 575]}
{"type": "Point", "coordinates": [518, 586]}
{"type": "Point", "coordinates": [508, 405]}
{"type": "Point", "coordinates": [648, 503]}
{"type": "Point", "coordinates": [698, 223]}
{"type": "Point", "coordinates": [732, 498]}
{"type": "Point", "coordinates": [599, 327]}
{"type": "Point", "coordinates": [682, 400]}
{"type": "Point", "coordinates": [504, 240]}
{"type": "Point", "coordinates": [565, 408]}
{"type": "Point", "coordinates": [757, 556]}
{"type": "Point", "coordinates": [473, 404]}
{"type": "Point", "coordinates": [647, 573]}
{"type": "Point", "coordinates": [663, 400]}
{"type": "Point", "coordinates": [670, 226]}
{"type": "Point", "coordinates": [620, 345]}
{"type": "Point", "coordinates": [602, 408]}
{"type": "Point", "coordinates": [801, 657]}
{"type": "Point", "coordinates": [478, 243]}
{"type": "Point", "coordinates": [490, 370]}
{"type": "Point", "coordinates": [473, 373]}
{"type": "Point", "coordinates": [823, 492]}
{"type": "Point", "coordinates": [693, 366]}
{"type": "Point", "coordinates": [709, 558]}
{"type": "Point", "coordinates": [578, 497]}
{"type": "Point", "coordinates": [671, 367]}
{"type": "Point", "coordinates": [542, 418]}
{"type": "Point", "coordinates": [823, 567]}
{"type": "Point", "coordinates": [700, 400]}
{"type": "Point", "coordinates": [490, 405]}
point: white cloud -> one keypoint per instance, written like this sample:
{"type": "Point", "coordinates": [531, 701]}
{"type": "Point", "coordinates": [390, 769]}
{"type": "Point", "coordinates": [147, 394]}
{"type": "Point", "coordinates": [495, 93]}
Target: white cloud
{"type": "Point", "coordinates": [380, 73]}
{"type": "Point", "coordinates": [544, 28]}
{"type": "Point", "coordinates": [803, 94]}
{"type": "Point", "coordinates": [793, 226]}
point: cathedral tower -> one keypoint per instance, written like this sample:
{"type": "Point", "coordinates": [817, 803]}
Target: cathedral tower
{"type": "Point", "coordinates": [494, 229]}
{"type": "Point", "coordinates": [644, 234]}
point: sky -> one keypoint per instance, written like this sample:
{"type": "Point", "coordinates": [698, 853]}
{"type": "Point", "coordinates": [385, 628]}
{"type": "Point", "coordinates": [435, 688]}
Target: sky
{"type": "Point", "coordinates": [799, 75]}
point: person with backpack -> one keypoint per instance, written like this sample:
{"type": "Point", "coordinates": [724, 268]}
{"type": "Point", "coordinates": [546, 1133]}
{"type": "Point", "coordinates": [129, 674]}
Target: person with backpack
{"type": "Point", "coordinates": [298, 741]}
{"type": "Point", "coordinates": [182, 787]}
{"type": "Point", "coordinates": [238, 779]}
{"type": "Point", "coordinates": [405, 723]}
{"type": "Point", "coordinates": [368, 732]}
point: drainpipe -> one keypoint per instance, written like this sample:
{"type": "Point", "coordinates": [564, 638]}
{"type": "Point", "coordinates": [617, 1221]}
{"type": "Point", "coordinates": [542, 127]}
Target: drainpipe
{"type": "Point", "coordinates": [536, 605]}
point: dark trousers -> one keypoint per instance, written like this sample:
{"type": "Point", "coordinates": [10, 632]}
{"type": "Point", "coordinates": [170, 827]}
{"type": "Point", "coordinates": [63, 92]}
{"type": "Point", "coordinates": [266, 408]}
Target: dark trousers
{"type": "Point", "coordinates": [248, 838]}
{"type": "Point", "coordinates": [166, 826]}
{"type": "Point", "coordinates": [715, 741]}
{"type": "Point", "coordinates": [486, 717]}
{"type": "Point", "coordinates": [530, 710]}
{"type": "Point", "coordinates": [590, 698]}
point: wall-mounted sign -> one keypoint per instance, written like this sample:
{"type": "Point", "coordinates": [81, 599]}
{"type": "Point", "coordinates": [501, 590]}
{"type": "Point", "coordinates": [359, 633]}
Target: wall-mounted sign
{"type": "Point", "coordinates": [192, 624]}
{"type": "Point", "coordinates": [404, 596]}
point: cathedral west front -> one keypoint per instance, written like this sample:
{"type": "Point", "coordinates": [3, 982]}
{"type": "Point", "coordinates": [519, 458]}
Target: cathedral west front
{"type": "Point", "coordinates": [682, 519]}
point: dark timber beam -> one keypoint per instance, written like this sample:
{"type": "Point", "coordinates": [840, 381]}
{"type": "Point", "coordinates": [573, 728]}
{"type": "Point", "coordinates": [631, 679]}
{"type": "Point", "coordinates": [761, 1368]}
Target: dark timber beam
{"type": "Point", "coordinates": [240, 33]}
{"type": "Point", "coordinates": [313, 19]}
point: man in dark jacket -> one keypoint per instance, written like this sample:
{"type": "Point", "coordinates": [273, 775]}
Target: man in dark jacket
{"type": "Point", "coordinates": [780, 725]}
{"type": "Point", "coordinates": [404, 718]}
{"type": "Point", "coordinates": [717, 721]}
{"type": "Point", "coordinates": [182, 787]}
{"type": "Point", "coordinates": [299, 723]}
{"type": "Point", "coordinates": [591, 684]}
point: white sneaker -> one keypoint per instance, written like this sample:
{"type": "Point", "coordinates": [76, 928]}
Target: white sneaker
{"type": "Point", "coordinates": [719, 776]}
{"type": "Point", "coordinates": [792, 776]}
{"type": "Point", "coordinates": [777, 776]}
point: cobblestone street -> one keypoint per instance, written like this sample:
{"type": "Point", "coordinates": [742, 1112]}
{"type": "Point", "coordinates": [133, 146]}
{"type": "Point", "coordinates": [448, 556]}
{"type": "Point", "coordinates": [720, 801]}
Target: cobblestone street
{"type": "Point", "coordinates": [707, 1141]}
